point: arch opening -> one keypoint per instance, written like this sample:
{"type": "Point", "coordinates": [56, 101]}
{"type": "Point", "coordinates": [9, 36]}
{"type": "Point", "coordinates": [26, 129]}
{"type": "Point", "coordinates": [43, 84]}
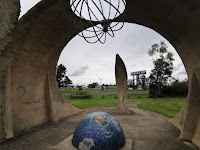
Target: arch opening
{"type": "Point", "coordinates": [132, 42]}
{"type": "Point", "coordinates": [87, 64]}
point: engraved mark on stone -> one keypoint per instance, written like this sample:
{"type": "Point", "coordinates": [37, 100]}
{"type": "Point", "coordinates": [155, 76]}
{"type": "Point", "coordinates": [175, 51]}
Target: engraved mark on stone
{"type": "Point", "coordinates": [21, 92]}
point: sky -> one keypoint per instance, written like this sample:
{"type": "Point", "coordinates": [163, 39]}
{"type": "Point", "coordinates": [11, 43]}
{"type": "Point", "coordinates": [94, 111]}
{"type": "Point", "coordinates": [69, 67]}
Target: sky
{"type": "Point", "coordinates": [87, 63]}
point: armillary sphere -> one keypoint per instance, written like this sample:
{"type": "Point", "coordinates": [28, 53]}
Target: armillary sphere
{"type": "Point", "coordinates": [101, 14]}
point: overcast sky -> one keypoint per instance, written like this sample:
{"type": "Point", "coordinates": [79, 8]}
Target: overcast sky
{"type": "Point", "coordinates": [86, 63]}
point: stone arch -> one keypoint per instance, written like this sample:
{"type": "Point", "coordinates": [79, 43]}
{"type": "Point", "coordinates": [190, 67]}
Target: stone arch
{"type": "Point", "coordinates": [43, 32]}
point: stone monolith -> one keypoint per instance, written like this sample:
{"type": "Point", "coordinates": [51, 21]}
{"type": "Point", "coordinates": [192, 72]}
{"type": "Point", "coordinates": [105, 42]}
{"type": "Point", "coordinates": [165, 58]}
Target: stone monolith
{"type": "Point", "coordinates": [121, 83]}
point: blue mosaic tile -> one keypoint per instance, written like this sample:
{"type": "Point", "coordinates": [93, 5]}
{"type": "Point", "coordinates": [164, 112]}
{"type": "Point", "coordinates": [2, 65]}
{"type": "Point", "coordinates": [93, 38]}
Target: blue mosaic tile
{"type": "Point", "coordinates": [98, 131]}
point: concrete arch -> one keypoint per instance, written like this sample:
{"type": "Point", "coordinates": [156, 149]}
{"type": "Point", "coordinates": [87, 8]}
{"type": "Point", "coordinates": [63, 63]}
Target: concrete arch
{"type": "Point", "coordinates": [43, 32]}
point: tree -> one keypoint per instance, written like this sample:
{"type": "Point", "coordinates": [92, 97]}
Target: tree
{"type": "Point", "coordinates": [163, 67]}
{"type": "Point", "coordinates": [130, 83]}
{"type": "Point", "coordinates": [143, 81]}
{"type": "Point", "coordinates": [61, 77]}
{"type": "Point", "coordinates": [67, 81]}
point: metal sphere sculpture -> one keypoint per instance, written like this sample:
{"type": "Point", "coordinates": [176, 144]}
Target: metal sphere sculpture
{"type": "Point", "coordinates": [101, 14]}
{"type": "Point", "coordinates": [98, 131]}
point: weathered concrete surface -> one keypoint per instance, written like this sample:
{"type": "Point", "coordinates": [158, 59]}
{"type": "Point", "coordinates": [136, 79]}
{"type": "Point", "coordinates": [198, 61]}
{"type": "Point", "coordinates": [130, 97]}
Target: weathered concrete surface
{"type": "Point", "coordinates": [31, 87]}
{"type": "Point", "coordinates": [41, 35]}
{"type": "Point", "coordinates": [36, 96]}
{"type": "Point", "coordinates": [121, 84]}
{"type": "Point", "coordinates": [8, 19]}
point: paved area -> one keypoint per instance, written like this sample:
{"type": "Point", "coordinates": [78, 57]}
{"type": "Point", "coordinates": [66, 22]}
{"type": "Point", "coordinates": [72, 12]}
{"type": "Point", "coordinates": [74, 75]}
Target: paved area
{"type": "Point", "coordinates": [149, 131]}
{"type": "Point", "coordinates": [109, 92]}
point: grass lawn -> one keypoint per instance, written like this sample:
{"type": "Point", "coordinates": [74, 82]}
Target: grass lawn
{"type": "Point", "coordinates": [69, 90]}
{"type": "Point", "coordinates": [107, 101]}
{"type": "Point", "coordinates": [96, 101]}
{"type": "Point", "coordinates": [145, 97]}
{"type": "Point", "coordinates": [167, 108]}
{"type": "Point", "coordinates": [63, 90]}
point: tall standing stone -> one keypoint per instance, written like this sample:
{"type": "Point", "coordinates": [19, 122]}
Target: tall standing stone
{"type": "Point", "coordinates": [121, 83]}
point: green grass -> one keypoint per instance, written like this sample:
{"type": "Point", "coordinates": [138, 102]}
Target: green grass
{"type": "Point", "coordinates": [138, 98]}
{"type": "Point", "coordinates": [64, 90]}
{"type": "Point", "coordinates": [145, 97]}
{"type": "Point", "coordinates": [167, 108]}
{"type": "Point", "coordinates": [96, 101]}
{"type": "Point", "coordinates": [69, 90]}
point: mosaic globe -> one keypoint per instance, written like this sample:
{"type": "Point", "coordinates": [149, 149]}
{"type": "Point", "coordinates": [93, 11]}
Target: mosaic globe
{"type": "Point", "coordinates": [98, 131]}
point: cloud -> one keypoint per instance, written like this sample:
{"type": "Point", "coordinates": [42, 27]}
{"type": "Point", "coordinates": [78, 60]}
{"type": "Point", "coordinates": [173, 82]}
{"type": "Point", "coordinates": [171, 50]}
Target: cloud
{"type": "Point", "coordinates": [175, 68]}
{"type": "Point", "coordinates": [134, 65]}
{"type": "Point", "coordinates": [178, 67]}
{"type": "Point", "coordinates": [79, 72]}
{"type": "Point", "coordinates": [183, 72]}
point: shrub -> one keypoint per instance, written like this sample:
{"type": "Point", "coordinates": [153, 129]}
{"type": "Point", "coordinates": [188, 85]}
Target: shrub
{"type": "Point", "coordinates": [115, 97]}
{"type": "Point", "coordinates": [128, 96]}
{"type": "Point", "coordinates": [177, 88]}
{"type": "Point", "coordinates": [80, 95]}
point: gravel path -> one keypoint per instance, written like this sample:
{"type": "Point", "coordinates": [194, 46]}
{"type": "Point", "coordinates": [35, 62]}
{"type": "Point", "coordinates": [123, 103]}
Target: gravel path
{"type": "Point", "coordinates": [149, 131]}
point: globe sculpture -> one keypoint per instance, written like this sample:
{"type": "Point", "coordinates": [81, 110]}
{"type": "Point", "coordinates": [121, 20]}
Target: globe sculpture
{"type": "Point", "coordinates": [98, 131]}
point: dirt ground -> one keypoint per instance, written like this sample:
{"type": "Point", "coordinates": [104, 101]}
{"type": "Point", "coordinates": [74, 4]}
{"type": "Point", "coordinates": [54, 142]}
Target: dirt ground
{"type": "Point", "coordinates": [149, 131]}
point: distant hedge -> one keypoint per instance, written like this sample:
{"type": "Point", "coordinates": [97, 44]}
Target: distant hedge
{"type": "Point", "coordinates": [177, 88]}
{"type": "Point", "coordinates": [80, 95]}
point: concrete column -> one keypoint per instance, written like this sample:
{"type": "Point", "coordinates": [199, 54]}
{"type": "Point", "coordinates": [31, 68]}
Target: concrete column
{"type": "Point", "coordinates": [191, 126]}
{"type": "Point", "coordinates": [6, 122]}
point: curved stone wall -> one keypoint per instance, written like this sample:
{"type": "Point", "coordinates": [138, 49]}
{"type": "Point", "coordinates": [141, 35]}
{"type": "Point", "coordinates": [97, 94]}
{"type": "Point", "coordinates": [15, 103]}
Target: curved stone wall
{"type": "Point", "coordinates": [36, 96]}
{"type": "Point", "coordinates": [8, 20]}
{"type": "Point", "coordinates": [43, 32]}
